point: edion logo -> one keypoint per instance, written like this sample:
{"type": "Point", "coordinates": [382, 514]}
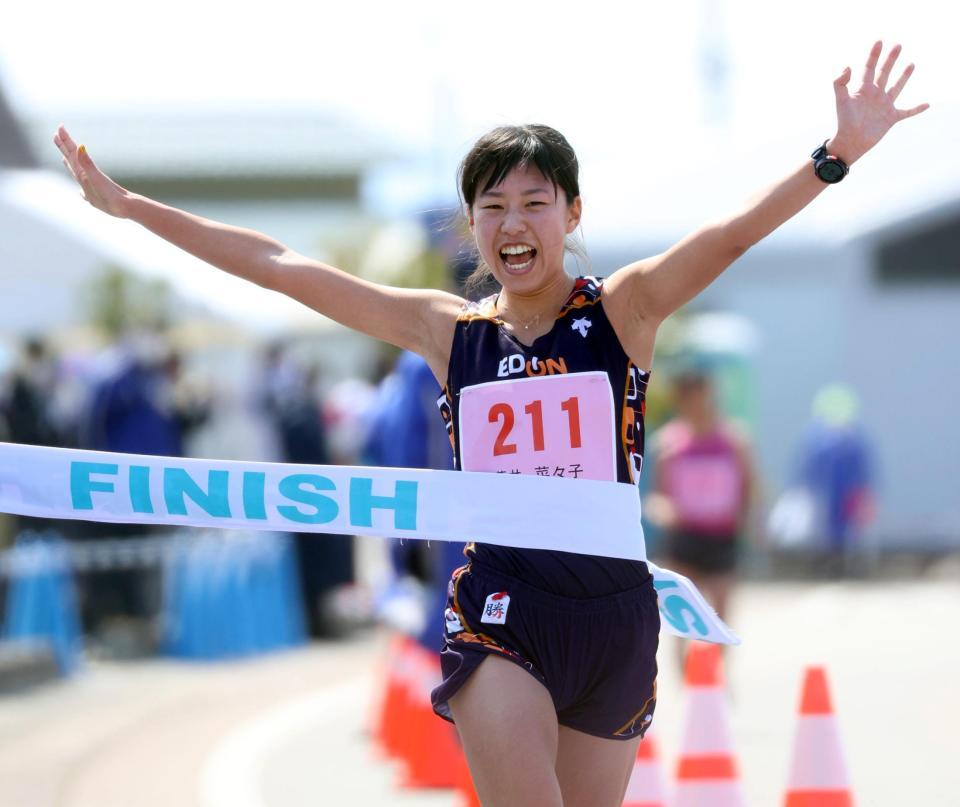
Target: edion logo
{"type": "Point", "coordinates": [515, 364]}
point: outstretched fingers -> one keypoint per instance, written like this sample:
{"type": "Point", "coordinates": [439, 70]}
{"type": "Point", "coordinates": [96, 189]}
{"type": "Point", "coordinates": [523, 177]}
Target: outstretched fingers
{"type": "Point", "coordinates": [888, 63]}
{"type": "Point", "coordinates": [869, 69]}
{"type": "Point", "coordinates": [68, 149]}
{"type": "Point", "coordinates": [69, 167]}
{"type": "Point", "coordinates": [903, 114]}
{"type": "Point", "coordinates": [897, 88]}
{"type": "Point", "coordinates": [840, 84]}
{"type": "Point", "coordinates": [64, 142]}
{"type": "Point", "coordinates": [72, 161]}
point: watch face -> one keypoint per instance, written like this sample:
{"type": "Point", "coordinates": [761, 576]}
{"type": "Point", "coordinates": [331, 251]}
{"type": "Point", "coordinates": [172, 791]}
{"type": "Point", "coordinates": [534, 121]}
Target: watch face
{"type": "Point", "coordinates": [830, 171]}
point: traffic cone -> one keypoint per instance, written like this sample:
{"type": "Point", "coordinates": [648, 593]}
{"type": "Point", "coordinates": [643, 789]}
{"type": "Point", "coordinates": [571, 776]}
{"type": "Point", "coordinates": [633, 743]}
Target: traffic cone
{"type": "Point", "coordinates": [391, 698]}
{"type": "Point", "coordinates": [707, 767]}
{"type": "Point", "coordinates": [818, 773]}
{"type": "Point", "coordinates": [645, 788]}
{"type": "Point", "coordinates": [430, 747]}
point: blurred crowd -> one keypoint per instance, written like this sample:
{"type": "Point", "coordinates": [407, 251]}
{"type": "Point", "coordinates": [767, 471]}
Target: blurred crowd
{"type": "Point", "coordinates": [703, 498]}
{"type": "Point", "coordinates": [138, 396]}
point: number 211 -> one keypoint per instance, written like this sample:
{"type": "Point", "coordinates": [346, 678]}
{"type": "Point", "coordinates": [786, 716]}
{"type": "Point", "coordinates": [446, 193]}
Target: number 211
{"type": "Point", "coordinates": [535, 409]}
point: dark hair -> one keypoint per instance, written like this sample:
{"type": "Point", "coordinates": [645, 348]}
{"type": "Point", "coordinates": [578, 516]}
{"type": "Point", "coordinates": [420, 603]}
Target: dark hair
{"type": "Point", "coordinates": [501, 150]}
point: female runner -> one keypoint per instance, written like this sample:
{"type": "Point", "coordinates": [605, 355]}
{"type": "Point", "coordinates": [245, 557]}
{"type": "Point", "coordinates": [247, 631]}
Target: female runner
{"type": "Point", "coordinates": [568, 641]}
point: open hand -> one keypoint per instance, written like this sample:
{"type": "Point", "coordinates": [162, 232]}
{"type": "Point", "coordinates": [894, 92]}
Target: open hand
{"type": "Point", "coordinates": [98, 189]}
{"type": "Point", "coordinates": [866, 116]}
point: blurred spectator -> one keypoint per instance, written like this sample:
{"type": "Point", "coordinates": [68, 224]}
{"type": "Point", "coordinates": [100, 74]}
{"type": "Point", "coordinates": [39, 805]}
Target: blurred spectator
{"type": "Point", "coordinates": [407, 432]}
{"type": "Point", "coordinates": [347, 411]}
{"type": "Point", "coordinates": [290, 399]}
{"type": "Point", "coordinates": [32, 385]}
{"type": "Point", "coordinates": [703, 488]}
{"type": "Point", "coordinates": [135, 408]}
{"type": "Point", "coordinates": [27, 413]}
{"type": "Point", "coordinates": [835, 469]}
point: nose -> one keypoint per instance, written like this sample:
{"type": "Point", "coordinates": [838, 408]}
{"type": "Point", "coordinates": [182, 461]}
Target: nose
{"type": "Point", "coordinates": [513, 222]}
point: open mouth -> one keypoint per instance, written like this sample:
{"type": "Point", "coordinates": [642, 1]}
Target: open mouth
{"type": "Point", "coordinates": [519, 258]}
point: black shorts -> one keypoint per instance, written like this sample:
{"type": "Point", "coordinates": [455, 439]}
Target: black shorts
{"type": "Point", "coordinates": [708, 554]}
{"type": "Point", "coordinates": [597, 657]}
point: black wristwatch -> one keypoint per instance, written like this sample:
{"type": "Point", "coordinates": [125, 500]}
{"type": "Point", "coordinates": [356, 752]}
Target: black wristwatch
{"type": "Point", "coordinates": [828, 167]}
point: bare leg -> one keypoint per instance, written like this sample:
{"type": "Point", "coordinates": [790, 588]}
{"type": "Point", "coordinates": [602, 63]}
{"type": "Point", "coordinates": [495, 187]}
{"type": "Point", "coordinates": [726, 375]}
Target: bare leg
{"type": "Point", "coordinates": [508, 726]}
{"type": "Point", "coordinates": [593, 771]}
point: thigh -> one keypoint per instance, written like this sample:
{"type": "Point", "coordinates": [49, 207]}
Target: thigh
{"type": "Point", "coordinates": [593, 771]}
{"type": "Point", "coordinates": [508, 727]}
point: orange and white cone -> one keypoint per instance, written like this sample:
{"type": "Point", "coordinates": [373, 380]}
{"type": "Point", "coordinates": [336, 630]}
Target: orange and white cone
{"type": "Point", "coordinates": [383, 704]}
{"type": "Point", "coordinates": [430, 748]}
{"type": "Point", "coordinates": [707, 767]}
{"type": "Point", "coordinates": [395, 698]}
{"type": "Point", "coordinates": [818, 773]}
{"type": "Point", "coordinates": [645, 788]}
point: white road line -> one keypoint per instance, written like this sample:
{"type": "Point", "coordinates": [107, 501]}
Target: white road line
{"type": "Point", "coordinates": [232, 773]}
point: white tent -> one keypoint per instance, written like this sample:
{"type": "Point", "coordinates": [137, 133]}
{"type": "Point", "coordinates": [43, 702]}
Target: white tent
{"type": "Point", "coordinates": [52, 243]}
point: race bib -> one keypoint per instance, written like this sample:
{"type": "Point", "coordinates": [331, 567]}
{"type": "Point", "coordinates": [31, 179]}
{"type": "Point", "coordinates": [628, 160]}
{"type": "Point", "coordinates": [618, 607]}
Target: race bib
{"type": "Point", "coordinates": [559, 425]}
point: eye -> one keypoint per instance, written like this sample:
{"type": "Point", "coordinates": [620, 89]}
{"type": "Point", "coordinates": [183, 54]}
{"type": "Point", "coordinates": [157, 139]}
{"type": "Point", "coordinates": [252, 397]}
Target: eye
{"type": "Point", "coordinates": [490, 207]}
{"type": "Point", "coordinates": [536, 203]}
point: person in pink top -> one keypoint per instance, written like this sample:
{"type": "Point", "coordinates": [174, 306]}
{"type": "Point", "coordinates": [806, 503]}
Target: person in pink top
{"type": "Point", "coordinates": [703, 487]}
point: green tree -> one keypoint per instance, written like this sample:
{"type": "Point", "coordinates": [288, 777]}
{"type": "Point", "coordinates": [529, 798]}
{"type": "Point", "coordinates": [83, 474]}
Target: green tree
{"type": "Point", "coordinates": [117, 300]}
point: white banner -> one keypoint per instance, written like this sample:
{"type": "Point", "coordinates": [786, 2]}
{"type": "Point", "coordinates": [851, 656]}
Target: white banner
{"type": "Point", "coordinates": [516, 510]}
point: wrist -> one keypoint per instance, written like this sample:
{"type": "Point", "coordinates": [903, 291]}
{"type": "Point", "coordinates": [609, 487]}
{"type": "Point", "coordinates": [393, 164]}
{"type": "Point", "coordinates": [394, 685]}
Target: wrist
{"type": "Point", "coordinates": [127, 205]}
{"type": "Point", "coordinates": [839, 146]}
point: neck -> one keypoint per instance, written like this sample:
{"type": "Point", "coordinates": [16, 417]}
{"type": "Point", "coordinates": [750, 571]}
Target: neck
{"type": "Point", "coordinates": [702, 422]}
{"type": "Point", "coordinates": [545, 301]}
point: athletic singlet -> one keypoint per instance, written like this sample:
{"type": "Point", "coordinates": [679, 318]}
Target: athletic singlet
{"type": "Point", "coordinates": [704, 477]}
{"type": "Point", "coordinates": [573, 407]}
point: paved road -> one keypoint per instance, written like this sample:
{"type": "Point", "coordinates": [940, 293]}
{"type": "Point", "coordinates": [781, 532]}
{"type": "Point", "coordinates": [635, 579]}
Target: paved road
{"type": "Point", "coordinates": [290, 730]}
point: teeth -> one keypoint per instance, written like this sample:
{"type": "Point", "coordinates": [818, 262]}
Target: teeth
{"type": "Point", "coordinates": [518, 250]}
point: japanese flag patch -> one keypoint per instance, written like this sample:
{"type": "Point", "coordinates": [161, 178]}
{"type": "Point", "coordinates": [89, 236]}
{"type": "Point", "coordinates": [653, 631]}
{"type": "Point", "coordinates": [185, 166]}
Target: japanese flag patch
{"type": "Point", "coordinates": [495, 608]}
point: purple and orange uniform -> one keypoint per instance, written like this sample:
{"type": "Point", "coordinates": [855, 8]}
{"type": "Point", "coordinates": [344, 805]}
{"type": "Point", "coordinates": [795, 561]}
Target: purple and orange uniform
{"type": "Point", "coordinates": [585, 626]}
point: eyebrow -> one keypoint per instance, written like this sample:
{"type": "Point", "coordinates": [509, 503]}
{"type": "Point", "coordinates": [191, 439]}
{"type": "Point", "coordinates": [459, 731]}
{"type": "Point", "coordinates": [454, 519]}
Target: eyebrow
{"type": "Point", "coordinates": [525, 193]}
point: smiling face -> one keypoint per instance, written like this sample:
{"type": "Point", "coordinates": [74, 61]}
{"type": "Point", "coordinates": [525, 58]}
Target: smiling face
{"type": "Point", "coordinates": [520, 226]}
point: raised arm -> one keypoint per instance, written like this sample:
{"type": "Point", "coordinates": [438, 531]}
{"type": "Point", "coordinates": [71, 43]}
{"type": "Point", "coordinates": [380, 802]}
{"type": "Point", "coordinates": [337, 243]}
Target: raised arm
{"type": "Point", "coordinates": [421, 320]}
{"type": "Point", "coordinates": [652, 289]}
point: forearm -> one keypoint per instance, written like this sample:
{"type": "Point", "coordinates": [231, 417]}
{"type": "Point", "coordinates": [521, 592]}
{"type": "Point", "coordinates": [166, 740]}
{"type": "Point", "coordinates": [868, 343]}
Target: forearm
{"type": "Point", "coordinates": [237, 250]}
{"type": "Point", "coordinates": [766, 211]}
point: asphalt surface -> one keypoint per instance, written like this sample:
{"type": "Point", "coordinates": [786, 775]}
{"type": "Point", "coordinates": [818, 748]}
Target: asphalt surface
{"type": "Point", "coordinates": [290, 729]}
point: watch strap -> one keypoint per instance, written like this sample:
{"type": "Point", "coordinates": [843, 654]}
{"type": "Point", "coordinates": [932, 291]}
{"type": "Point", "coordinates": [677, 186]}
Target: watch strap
{"type": "Point", "coordinates": [820, 157]}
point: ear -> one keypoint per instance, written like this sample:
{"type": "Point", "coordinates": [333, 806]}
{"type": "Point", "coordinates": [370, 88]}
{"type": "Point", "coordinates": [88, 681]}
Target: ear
{"type": "Point", "coordinates": [573, 215]}
{"type": "Point", "coordinates": [468, 213]}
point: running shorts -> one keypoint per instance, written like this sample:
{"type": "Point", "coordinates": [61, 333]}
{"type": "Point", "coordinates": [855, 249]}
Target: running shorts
{"type": "Point", "coordinates": [597, 657]}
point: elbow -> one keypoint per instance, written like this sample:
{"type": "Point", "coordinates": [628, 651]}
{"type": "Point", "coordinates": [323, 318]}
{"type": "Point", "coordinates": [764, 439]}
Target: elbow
{"type": "Point", "coordinates": [735, 240]}
{"type": "Point", "coordinates": [275, 273]}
